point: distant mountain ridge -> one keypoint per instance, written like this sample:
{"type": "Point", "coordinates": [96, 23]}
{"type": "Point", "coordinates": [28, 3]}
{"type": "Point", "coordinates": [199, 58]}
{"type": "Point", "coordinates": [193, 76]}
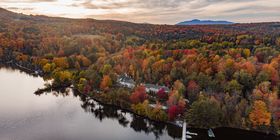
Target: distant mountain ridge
{"type": "Point", "coordinates": [204, 22]}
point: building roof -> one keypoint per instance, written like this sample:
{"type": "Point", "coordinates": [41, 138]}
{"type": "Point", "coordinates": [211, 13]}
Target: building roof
{"type": "Point", "coordinates": [157, 87]}
{"type": "Point", "coordinates": [126, 79]}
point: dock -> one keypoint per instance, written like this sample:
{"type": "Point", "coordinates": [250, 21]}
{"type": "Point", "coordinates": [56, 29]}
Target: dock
{"type": "Point", "coordinates": [187, 134]}
{"type": "Point", "coordinates": [184, 131]}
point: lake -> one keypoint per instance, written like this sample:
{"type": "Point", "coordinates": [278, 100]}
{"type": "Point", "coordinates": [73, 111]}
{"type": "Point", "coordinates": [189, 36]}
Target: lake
{"type": "Point", "coordinates": [64, 115]}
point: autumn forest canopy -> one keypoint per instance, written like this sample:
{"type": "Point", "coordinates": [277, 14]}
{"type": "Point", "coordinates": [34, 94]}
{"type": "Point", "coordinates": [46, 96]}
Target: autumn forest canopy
{"type": "Point", "coordinates": [218, 75]}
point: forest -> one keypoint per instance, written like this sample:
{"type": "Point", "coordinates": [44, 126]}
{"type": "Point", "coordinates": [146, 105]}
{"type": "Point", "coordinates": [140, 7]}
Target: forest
{"type": "Point", "coordinates": [219, 75]}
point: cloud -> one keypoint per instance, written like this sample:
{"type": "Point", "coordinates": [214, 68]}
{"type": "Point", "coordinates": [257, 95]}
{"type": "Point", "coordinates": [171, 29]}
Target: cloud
{"type": "Point", "coordinates": [117, 4]}
{"type": "Point", "coordinates": [154, 11]}
{"type": "Point", "coordinates": [22, 9]}
{"type": "Point", "coordinates": [26, 1]}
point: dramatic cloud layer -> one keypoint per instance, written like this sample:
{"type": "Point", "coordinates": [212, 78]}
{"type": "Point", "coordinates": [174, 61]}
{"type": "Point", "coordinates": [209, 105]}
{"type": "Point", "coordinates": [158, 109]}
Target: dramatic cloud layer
{"type": "Point", "coordinates": [152, 11]}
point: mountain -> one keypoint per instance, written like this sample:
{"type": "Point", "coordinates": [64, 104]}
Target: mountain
{"type": "Point", "coordinates": [204, 22]}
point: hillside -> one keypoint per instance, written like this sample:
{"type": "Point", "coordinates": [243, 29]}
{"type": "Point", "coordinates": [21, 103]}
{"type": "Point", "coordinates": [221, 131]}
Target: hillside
{"type": "Point", "coordinates": [146, 31]}
{"type": "Point", "coordinates": [229, 74]}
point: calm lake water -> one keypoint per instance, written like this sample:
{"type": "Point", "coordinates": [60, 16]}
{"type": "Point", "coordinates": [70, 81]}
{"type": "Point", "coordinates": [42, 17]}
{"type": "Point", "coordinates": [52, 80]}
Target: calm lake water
{"type": "Point", "coordinates": [62, 115]}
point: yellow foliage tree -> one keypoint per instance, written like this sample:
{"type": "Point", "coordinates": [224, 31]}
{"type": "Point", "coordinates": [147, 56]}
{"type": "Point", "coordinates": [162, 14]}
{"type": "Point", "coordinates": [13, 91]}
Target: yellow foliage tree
{"type": "Point", "coordinates": [63, 76]}
{"type": "Point", "coordinates": [246, 53]}
{"type": "Point", "coordinates": [43, 61]}
{"type": "Point", "coordinates": [47, 68]}
{"type": "Point", "coordinates": [61, 62]}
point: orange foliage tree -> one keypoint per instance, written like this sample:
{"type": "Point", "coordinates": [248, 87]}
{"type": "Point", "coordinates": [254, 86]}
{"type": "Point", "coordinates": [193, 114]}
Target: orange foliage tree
{"type": "Point", "coordinates": [106, 82]}
{"type": "Point", "coordinates": [260, 115]}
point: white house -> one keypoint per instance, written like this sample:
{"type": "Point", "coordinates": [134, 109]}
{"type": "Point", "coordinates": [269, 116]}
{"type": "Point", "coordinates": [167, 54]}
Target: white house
{"type": "Point", "coordinates": [126, 81]}
{"type": "Point", "coordinates": [155, 88]}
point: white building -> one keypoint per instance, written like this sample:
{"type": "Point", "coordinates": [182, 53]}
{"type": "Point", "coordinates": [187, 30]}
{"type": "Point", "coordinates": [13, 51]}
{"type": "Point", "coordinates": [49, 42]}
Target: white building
{"type": "Point", "coordinates": [126, 81]}
{"type": "Point", "coordinates": [155, 88]}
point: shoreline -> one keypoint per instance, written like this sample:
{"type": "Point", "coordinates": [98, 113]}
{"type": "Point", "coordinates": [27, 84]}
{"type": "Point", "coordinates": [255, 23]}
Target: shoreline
{"type": "Point", "coordinates": [16, 67]}
{"type": "Point", "coordinates": [164, 122]}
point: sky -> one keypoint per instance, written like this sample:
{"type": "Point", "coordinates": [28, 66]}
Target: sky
{"type": "Point", "coordinates": [152, 11]}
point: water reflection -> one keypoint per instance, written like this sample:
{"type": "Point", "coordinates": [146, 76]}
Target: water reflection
{"type": "Point", "coordinates": [63, 115]}
{"type": "Point", "coordinates": [158, 130]}
{"type": "Point", "coordinates": [125, 119]}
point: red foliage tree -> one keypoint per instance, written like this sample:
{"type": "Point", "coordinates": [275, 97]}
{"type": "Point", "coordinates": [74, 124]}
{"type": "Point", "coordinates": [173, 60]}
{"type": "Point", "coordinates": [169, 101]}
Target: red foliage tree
{"type": "Point", "coordinates": [139, 95]}
{"type": "Point", "coordinates": [172, 112]}
{"type": "Point", "coordinates": [161, 94]}
{"type": "Point", "coordinates": [176, 105]}
{"type": "Point", "coordinates": [175, 110]}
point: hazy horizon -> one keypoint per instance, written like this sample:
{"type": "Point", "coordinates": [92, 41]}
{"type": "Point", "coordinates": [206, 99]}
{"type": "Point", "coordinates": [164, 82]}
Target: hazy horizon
{"type": "Point", "coordinates": [152, 11]}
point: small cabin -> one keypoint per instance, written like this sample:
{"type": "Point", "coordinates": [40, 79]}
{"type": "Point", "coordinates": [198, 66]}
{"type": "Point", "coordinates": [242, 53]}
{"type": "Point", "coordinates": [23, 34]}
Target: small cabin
{"type": "Point", "coordinates": [151, 88]}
